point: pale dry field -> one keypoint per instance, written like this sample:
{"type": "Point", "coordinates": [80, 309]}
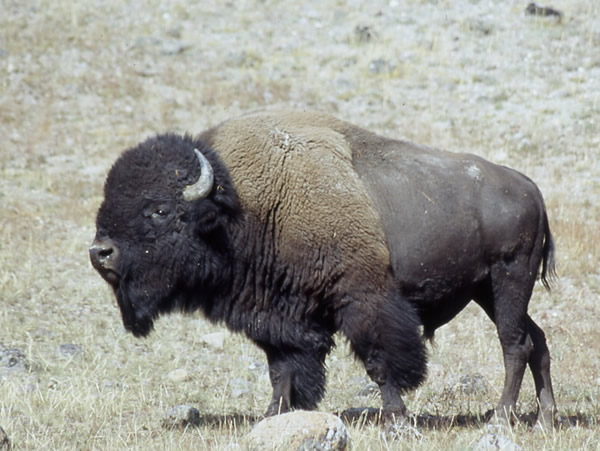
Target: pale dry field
{"type": "Point", "coordinates": [81, 81]}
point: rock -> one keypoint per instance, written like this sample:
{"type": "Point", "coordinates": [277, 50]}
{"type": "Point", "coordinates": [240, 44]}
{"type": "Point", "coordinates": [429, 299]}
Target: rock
{"type": "Point", "coordinates": [369, 390]}
{"type": "Point", "coordinates": [178, 375]}
{"type": "Point", "coordinates": [258, 368]}
{"type": "Point", "coordinates": [181, 416]}
{"type": "Point", "coordinates": [174, 47]}
{"type": "Point", "coordinates": [472, 384]}
{"type": "Point", "coordinates": [496, 439]}
{"type": "Point", "coordinates": [30, 383]}
{"type": "Point", "coordinates": [381, 66]}
{"type": "Point", "coordinates": [239, 387]}
{"type": "Point", "coordinates": [363, 33]}
{"type": "Point", "coordinates": [543, 11]}
{"type": "Point", "coordinates": [109, 385]}
{"type": "Point", "coordinates": [299, 430]}
{"type": "Point", "coordinates": [69, 350]}
{"type": "Point", "coordinates": [4, 441]}
{"type": "Point", "coordinates": [435, 371]}
{"type": "Point", "coordinates": [215, 340]}
{"type": "Point", "coordinates": [480, 26]}
{"type": "Point", "coordinates": [12, 361]}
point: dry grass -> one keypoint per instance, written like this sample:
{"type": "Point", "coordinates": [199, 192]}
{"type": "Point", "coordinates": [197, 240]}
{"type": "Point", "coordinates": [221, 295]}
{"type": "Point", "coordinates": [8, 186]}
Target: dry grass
{"type": "Point", "coordinates": [79, 84]}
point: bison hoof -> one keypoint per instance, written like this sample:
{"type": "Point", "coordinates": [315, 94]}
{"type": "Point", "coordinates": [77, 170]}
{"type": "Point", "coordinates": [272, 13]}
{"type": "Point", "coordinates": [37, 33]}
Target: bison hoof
{"type": "Point", "coordinates": [499, 418]}
{"type": "Point", "coordinates": [546, 422]}
{"type": "Point", "coordinates": [392, 416]}
{"type": "Point", "coordinates": [275, 409]}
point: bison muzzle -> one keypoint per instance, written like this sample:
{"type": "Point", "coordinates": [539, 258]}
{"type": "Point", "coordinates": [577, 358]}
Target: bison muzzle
{"type": "Point", "coordinates": [290, 227]}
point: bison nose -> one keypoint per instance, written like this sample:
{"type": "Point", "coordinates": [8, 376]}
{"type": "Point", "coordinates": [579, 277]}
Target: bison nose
{"type": "Point", "coordinates": [104, 255]}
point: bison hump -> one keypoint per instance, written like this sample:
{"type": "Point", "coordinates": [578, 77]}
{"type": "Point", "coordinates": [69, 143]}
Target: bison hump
{"type": "Point", "coordinates": [293, 173]}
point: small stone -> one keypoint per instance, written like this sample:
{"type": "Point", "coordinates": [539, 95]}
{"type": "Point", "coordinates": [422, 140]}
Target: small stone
{"type": "Point", "coordinates": [472, 384]}
{"type": "Point", "coordinates": [380, 66]}
{"type": "Point", "coordinates": [174, 32]}
{"type": "Point", "coordinates": [299, 430]}
{"type": "Point", "coordinates": [435, 371]}
{"type": "Point", "coordinates": [12, 361]}
{"type": "Point", "coordinates": [363, 33]}
{"type": "Point", "coordinates": [543, 11]}
{"type": "Point", "coordinates": [178, 375]}
{"type": "Point", "coordinates": [109, 385]}
{"type": "Point", "coordinates": [4, 441]}
{"type": "Point", "coordinates": [371, 389]}
{"type": "Point", "coordinates": [258, 368]}
{"type": "Point", "coordinates": [240, 387]}
{"type": "Point", "coordinates": [480, 26]}
{"type": "Point", "coordinates": [496, 440]}
{"type": "Point", "coordinates": [215, 340]}
{"type": "Point", "coordinates": [181, 416]}
{"type": "Point", "coordinates": [174, 47]}
{"type": "Point", "coordinates": [69, 350]}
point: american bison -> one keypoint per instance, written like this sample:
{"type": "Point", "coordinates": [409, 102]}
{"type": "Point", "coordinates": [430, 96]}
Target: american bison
{"type": "Point", "coordinates": [291, 226]}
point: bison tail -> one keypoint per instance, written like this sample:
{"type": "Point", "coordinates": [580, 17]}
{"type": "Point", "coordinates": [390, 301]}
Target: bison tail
{"type": "Point", "coordinates": [548, 261]}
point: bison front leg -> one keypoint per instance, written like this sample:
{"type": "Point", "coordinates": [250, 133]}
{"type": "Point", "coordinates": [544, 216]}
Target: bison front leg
{"type": "Point", "coordinates": [392, 403]}
{"type": "Point", "coordinates": [388, 342]}
{"type": "Point", "coordinates": [297, 377]}
{"type": "Point", "coordinates": [281, 380]}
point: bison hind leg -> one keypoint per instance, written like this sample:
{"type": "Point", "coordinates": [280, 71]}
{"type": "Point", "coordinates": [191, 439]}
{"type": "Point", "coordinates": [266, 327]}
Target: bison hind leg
{"type": "Point", "coordinates": [389, 343]}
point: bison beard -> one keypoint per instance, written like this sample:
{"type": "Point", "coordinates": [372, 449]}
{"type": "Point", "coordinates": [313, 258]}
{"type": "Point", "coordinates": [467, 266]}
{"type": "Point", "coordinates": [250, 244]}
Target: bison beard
{"type": "Point", "coordinates": [291, 227]}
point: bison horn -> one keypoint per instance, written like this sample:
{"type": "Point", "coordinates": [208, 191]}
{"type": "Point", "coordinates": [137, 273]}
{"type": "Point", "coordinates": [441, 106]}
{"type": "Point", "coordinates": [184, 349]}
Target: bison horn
{"type": "Point", "coordinates": [204, 184]}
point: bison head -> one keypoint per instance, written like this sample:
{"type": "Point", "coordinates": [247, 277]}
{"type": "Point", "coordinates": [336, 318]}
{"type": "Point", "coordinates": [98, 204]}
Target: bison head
{"type": "Point", "coordinates": [160, 239]}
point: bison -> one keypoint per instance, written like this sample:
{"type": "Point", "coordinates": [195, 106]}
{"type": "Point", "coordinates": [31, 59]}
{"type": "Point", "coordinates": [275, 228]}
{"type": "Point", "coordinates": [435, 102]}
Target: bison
{"type": "Point", "coordinates": [292, 226]}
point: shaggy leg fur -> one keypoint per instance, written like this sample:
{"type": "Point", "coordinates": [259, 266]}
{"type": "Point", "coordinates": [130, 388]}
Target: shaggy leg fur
{"type": "Point", "coordinates": [298, 379]}
{"type": "Point", "coordinates": [389, 344]}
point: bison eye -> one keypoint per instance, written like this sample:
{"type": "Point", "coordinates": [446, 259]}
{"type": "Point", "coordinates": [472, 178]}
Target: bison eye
{"type": "Point", "coordinates": [159, 215]}
{"type": "Point", "coordinates": [157, 212]}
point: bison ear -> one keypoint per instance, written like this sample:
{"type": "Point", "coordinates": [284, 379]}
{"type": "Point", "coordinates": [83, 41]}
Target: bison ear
{"type": "Point", "coordinates": [206, 218]}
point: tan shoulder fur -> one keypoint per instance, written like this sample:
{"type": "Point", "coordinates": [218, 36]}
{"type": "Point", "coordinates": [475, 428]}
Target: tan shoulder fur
{"type": "Point", "coordinates": [295, 169]}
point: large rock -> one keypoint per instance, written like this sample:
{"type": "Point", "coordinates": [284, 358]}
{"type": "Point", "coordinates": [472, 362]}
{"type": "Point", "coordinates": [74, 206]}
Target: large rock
{"type": "Point", "coordinates": [299, 430]}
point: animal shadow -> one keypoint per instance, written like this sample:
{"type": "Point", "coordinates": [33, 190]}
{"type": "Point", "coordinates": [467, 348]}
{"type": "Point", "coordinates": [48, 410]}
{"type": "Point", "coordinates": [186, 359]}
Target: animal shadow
{"type": "Point", "coordinates": [370, 415]}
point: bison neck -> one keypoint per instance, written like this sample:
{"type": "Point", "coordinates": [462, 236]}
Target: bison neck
{"type": "Point", "coordinates": [267, 297]}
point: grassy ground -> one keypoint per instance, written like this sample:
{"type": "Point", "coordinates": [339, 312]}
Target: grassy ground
{"type": "Point", "coordinates": [79, 82]}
